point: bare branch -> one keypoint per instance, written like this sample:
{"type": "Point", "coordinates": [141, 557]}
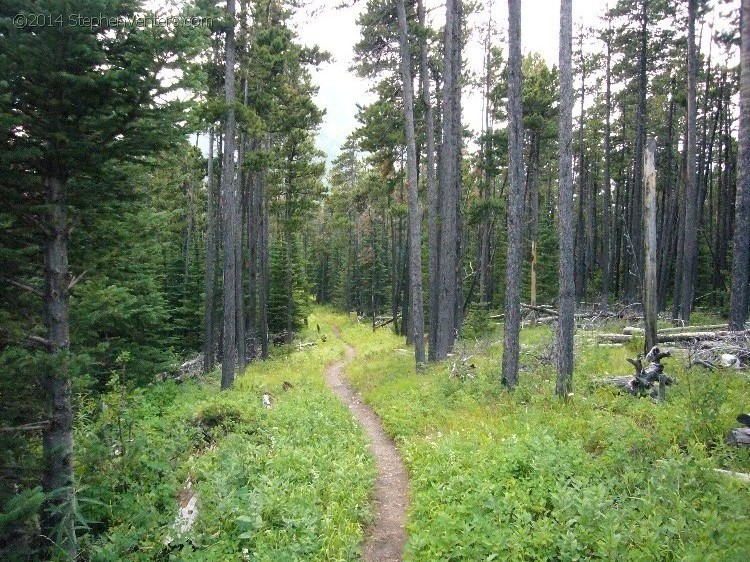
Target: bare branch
{"type": "Point", "coordinates": [25, 287]}
{"type": "Point", "coordinates": [76, 279]}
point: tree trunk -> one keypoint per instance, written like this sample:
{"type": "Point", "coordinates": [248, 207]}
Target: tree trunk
{"type": "Point", "coordinates": [415, 217]}
{"type": "Point", "coordinates": [668, 220]}
{"type": "Point", "coordinates": [433, 199]}
{"type": "Point", "coordinates": [264, 251]}
{"type": "Point", "coordinates": [484, 239]}
{"type": "Point", "coordinates": [211, 257]}
{"type": "Point", "coordinates": [636, 225]}
{"type": "Point", "coordinates": [566, 291]}
{"type": "Point", "coordinates": [650, 302]}
{"type": "Point", "coordinates": [515, 200]}
{"type": "Point", "coordinates": [190, 188]}
{"type": "Point", "coordinates": [252, 257]}
{"type": "Point", "coordinates": [741, 254]}
{"type": "Point", "coordinates": [679, 251]}
{"type": "Point", "coordinates": [607, 241]}
{"type": "Point", "coordinates": [691, 191]}
{"type": "Point", "coordinates": [580, 241]}
{"type": "Point", "coordinates": [228, 211]}
{"type": "Point", "coordinates": [449, 180]}
{"type": "Point", "coordinates": [57, 439]}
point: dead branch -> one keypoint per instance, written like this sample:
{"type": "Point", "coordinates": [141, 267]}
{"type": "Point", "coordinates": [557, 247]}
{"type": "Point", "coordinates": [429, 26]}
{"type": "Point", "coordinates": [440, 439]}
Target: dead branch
{"type": "Point", "coordinates": [76, 279]}
{"type": "Point", "coordinates": [44, 342]}
{"type": "Point", "coordinates": [25, 287]}
{"type": "Point", "coordinates": [33, 426]}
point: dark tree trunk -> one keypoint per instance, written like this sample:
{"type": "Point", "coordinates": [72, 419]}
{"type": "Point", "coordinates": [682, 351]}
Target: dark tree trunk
{"type": "Point", "coordinates": [433, 199]}
{"type": "Point", "coordinates": [415, 215]}
{"type": "Point", "coordinates": [691, 186]}
{"type": "Point", "coordinates": [228, 212]}
{"type": "Point", "coordinates": [607, 214]}
{"type": "Point", "coordinates": [679, 251]}
{"type": "Point", "coordinates": [566, 290]}
{"type": "Point", "coordinates": [209, 340]}
{"type": "Point", "coordinates": [240, 218]}
{"type": "Point", "coordinates": [580, 243]}
{"type": "Point", "coordinates": [252, 256]}
{"type": "Point", "coordinates": [484, 239]}
{"type": "Point", "coordinates": [668, 223]}
{"type": "Point", "coordinates": [263, 261]}
{"type": "Point", "coordinates": [636, 225]}
{"type": "Point", "coordinates": [515, 200]}
{"type": "Point", "coordinates": [741, 253]}
{"type": "Point", "coordinates": [57, 439]}
{"type": "Point", "coordinates": [190, 189]}
{"type": "Point", "coordinates": [450, 178]}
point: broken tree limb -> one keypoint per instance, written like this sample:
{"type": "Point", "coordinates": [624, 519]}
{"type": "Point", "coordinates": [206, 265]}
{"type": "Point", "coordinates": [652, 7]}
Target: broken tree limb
{"type": "Point", "coordinates": [384, 323]}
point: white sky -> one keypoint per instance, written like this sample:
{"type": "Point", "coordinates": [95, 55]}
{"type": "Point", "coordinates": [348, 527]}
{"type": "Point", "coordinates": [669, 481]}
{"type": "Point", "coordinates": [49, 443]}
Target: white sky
{"type": "Point", "coordinates": [336, 31]}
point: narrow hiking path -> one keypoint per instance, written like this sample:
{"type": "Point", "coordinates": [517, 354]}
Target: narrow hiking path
{"type": "Point", "coordinates": [386, 537]}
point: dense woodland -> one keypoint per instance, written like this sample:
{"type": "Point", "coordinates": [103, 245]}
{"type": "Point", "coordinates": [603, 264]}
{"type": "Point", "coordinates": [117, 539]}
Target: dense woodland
{"type": "Point", "coordinates": [162, 196]}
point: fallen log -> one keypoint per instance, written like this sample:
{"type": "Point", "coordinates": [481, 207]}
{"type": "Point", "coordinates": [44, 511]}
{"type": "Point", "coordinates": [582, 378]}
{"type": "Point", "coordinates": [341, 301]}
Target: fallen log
{"type": "Point", "coordinates": [539, 308]}
{"type": "Point", "coordinates": [632, 330]}
{"type": "Point", "coordinates": [739, 437]}
{"type": "Point", "coordinates": [644, 379]}
{"type": "Point", "coordinates": [677, 337]}
{"type": "Point", "coordinates": [742, 476]}
{"type": "Point", "coordinates": [385, 323]}
{"type": "Point", "coordinates": [614, 338]}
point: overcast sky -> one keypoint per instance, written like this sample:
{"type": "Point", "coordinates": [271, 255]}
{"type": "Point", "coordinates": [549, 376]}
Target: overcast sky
{"type": "Point", "coordinates": [336, 31]}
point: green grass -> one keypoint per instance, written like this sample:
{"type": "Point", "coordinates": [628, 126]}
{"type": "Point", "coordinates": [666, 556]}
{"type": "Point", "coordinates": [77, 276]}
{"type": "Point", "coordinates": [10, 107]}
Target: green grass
{"type": "Point", "coordinates": [287, 483]}
{"type": "Point", "coordinates": [524, 476]}
{"type": "Point", "coordinates": [494, 475]}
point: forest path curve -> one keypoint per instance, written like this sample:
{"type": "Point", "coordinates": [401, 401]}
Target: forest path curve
{"type": "Point", "coordinates": [386, 537]}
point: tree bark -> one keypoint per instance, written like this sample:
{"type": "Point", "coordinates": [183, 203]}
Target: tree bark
{"type": "Point", "coordinates": [57, 438]}
{"type": "Point", "coordinates": [650, 302]}
{"type": "Point", "coordinates": [228, 211]}
{"type": "Point", "coordinates": [691, 191]}
{"type": "Point", "coordinates": [566, 290]}
{"type": "Point", "coordinates": [450, 178]}
{"type": "Point", "coordinates": [209, 340]}
{"type": "Point", "coordinates": [433, 200]}
{"type": "Point", "coordinates": [415, 216]}
{"type": "Point", "coordinates": [515, 200]}
{"type": "Point", "coordinates": [264, 251]}
{"type": "Point", "coordinates": [636, 225]}
{"type": "Point", "coordinates": [738, 302]}
{"type": "Point", "coordinates": [607, 241]}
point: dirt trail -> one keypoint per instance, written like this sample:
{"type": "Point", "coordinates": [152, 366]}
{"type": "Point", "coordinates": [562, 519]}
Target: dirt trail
{"type": "Point", "coordinates": [385, 539]}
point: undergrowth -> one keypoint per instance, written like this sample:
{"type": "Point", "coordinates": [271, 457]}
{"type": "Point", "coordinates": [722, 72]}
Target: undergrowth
{"type": "Point", "coordinates": [291, 482]}
{"type": "Point", "coordinates": [525, 476]}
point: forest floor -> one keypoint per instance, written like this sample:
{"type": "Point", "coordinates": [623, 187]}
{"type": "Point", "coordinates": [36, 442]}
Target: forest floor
{"type": "Point", "coordinates": [491, 475]}
{"type": "Point", "coordinates": [386, 537]}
